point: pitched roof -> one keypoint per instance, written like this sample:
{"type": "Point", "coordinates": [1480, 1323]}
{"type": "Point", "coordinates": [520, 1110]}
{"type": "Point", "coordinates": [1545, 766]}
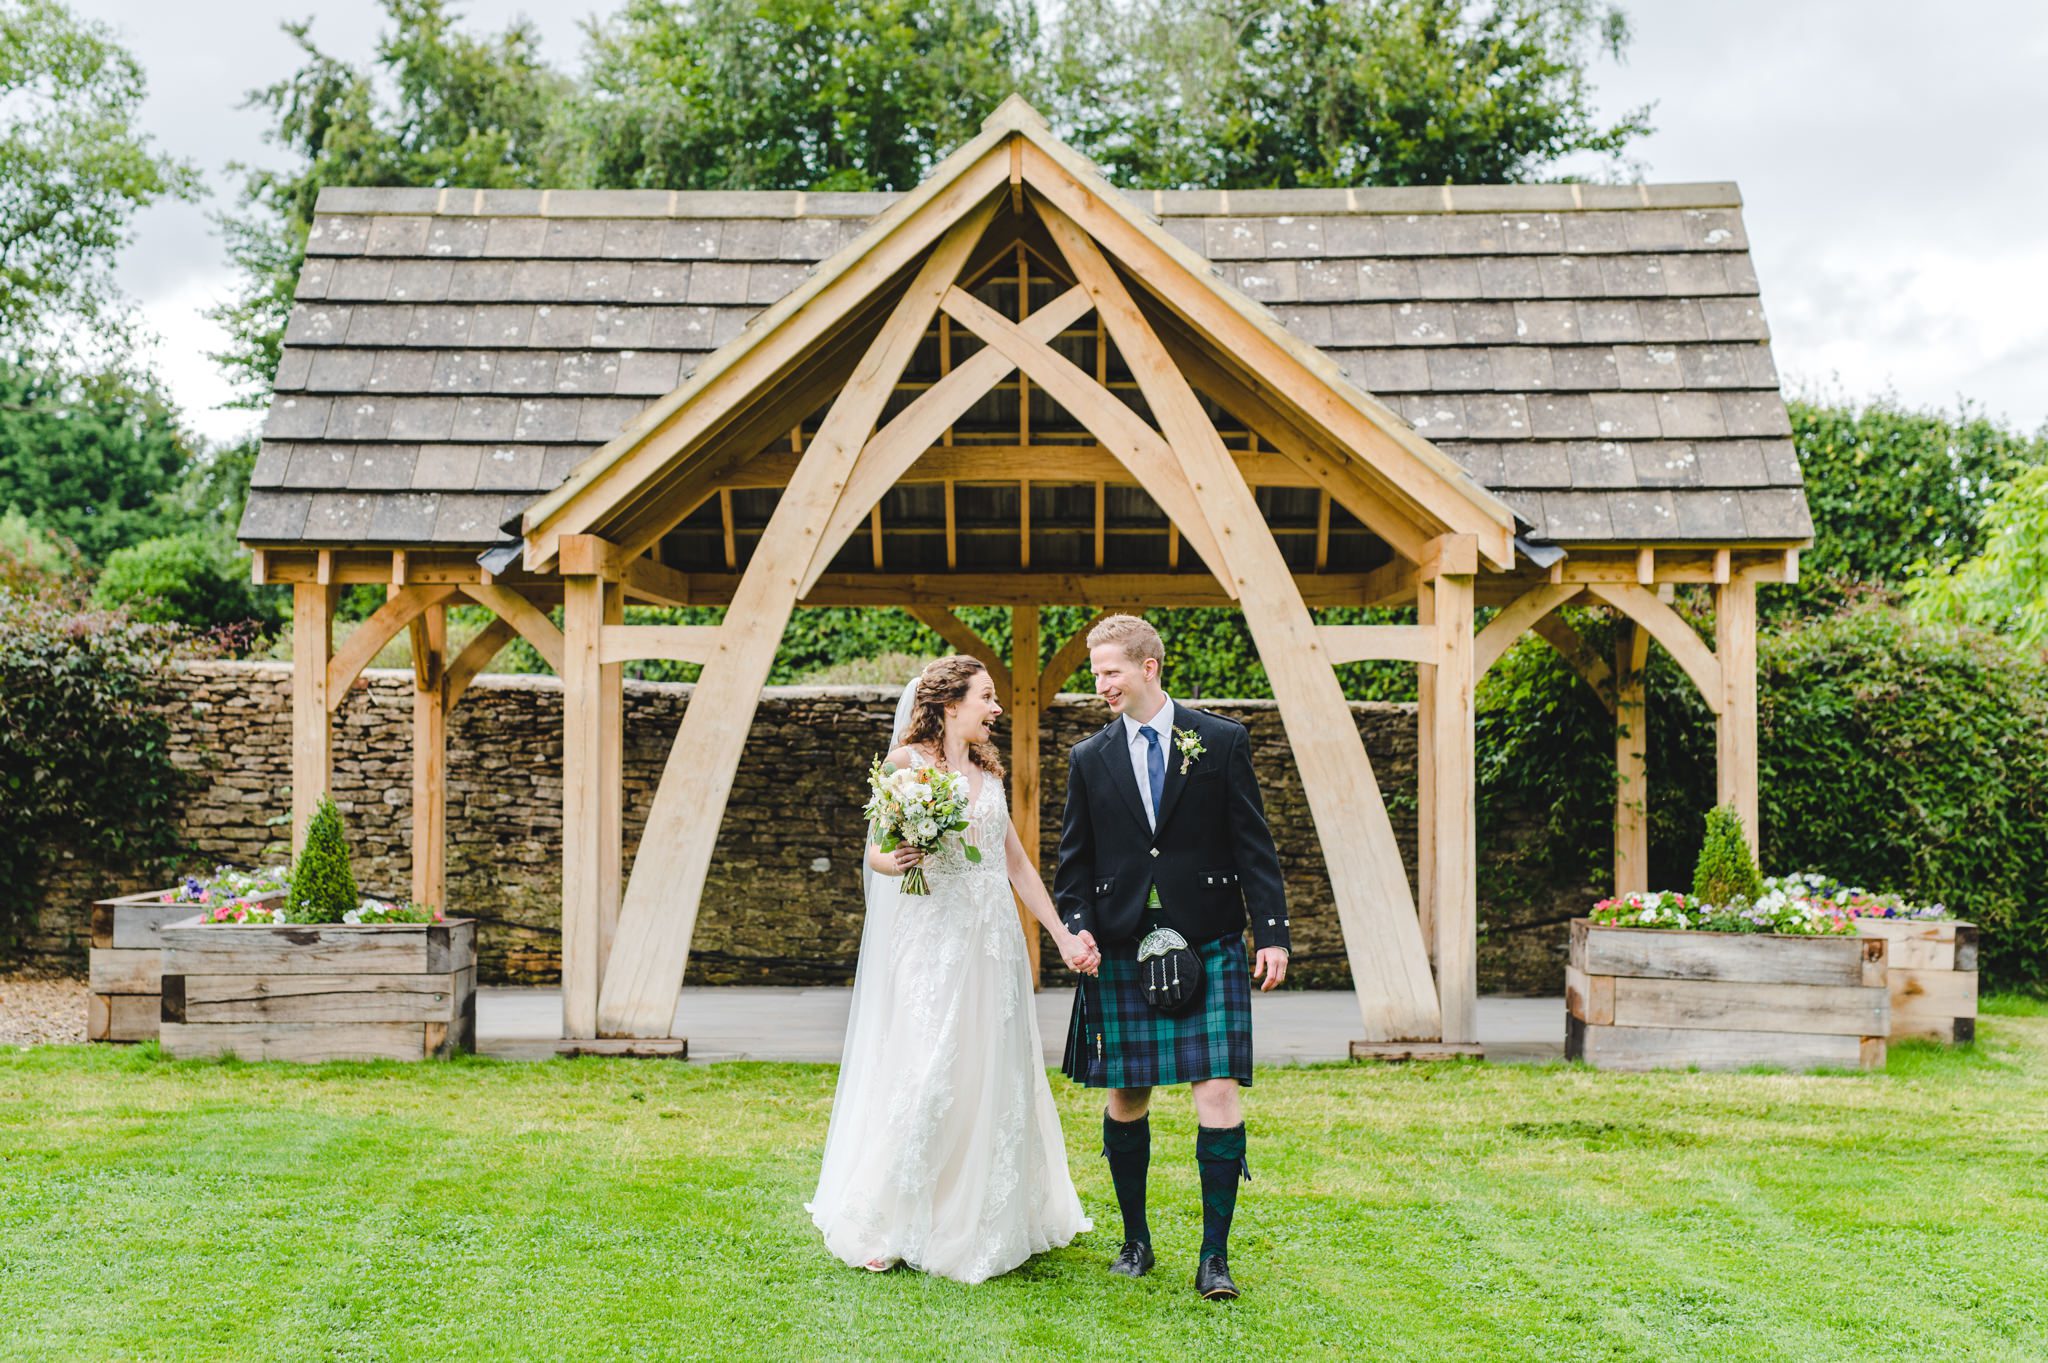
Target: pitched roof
{"type": "Point", "coordinates": [1596, 356]}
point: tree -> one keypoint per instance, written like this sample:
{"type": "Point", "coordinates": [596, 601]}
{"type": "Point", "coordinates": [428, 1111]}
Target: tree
{"type": "Point", "coordinates": [1239, 94]}
{"type": "Point", "coordinates": [96, 458]}
{"type": "Point", "coordinates": [466, 110]}
{"type": "Point", "coordinates": [790, 94]}
{"type": "Point", "coordinates": [74, 170]}
{"type": "Point", "coordinates": [195, 577]}
{"type": "Point", "coordinates": [1892, 488]}
{"type": "Point", "coordinates": [2005, 587]}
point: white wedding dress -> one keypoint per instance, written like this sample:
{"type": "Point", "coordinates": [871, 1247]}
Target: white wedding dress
{"type": "Point", "coordinates": [945, 1150]}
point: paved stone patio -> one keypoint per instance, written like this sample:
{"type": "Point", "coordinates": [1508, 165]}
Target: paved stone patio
{"type": "Point", "coordinates": [740, 1023]}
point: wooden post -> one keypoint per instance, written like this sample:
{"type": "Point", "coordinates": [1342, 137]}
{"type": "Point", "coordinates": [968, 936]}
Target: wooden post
{"type": "Point", "coordinates": [1425, 779]}
{"type": "Point", "coordinates": [611, 850]}
{"type": "Point", "coordinates": [429, 755]}
{"type": "Point", "coordinates": [1455, 845]}
{"type": "Point", "coordinates": [1024, 731]}
{"type": "Point", "coordinates": [312, 739]}
{"type": "Point", "coordinates": [583, 771]}
{"type": "Point", "coordinates": [1631, 789]}
{"type": "Point", "coordinates": [1735, 728]}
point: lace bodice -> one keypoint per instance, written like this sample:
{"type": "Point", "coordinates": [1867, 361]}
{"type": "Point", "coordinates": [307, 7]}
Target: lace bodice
{"type": "Point", "coordinates": [988, 825]}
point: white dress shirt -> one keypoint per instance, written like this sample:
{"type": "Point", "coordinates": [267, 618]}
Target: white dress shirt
{"type": "Point", "coordinates": [1162, 723]}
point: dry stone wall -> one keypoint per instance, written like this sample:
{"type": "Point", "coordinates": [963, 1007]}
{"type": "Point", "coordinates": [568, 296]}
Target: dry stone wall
{"type": "Point", "coordinates": [782, 905]}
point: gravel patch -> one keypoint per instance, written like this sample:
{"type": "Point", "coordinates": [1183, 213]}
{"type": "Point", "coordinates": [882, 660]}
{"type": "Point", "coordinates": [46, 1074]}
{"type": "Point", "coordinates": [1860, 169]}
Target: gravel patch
{"type": "Point", "coordinates": [41, 1012]}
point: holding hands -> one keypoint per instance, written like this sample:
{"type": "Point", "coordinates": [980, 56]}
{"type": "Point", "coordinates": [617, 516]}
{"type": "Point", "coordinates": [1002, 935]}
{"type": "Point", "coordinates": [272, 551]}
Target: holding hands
{"type": "Point", "coordinates": [1079, 951]}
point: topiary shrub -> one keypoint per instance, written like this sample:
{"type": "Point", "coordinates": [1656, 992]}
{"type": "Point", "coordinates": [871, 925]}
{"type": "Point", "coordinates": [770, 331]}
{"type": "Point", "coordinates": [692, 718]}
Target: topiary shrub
{"type": "Point", "coordinates": [1726, 872]}
{"type": "Point", "coordinates": [323, 888]}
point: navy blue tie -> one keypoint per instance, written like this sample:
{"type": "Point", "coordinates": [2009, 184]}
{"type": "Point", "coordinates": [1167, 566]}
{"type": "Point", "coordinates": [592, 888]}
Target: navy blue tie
{"type": "Point", "coordinates": [1155, 769]}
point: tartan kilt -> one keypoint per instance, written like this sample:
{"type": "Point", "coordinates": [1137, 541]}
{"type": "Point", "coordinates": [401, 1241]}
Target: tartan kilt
{"type": "Point", "coordinates": [1117, 1040]}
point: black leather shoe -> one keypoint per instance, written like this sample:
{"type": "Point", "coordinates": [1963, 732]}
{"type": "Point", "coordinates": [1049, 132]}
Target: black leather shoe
{"type": "Point", "coordinates": [1134, 1260]}
{"type": "Point", "coordinates": [1212, 1279]}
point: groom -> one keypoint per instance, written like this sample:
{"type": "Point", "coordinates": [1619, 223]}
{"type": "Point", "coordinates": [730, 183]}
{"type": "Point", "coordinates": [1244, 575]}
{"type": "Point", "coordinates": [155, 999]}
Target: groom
{"type": "Point", "coordinates": [1164, 828]}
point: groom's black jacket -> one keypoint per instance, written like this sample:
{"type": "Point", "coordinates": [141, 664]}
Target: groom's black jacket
{"type": "Point", "coordinates": [1212, 857]}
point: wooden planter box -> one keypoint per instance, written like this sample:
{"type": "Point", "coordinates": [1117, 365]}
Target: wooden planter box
{"type": "Point", "coordinates": [319, 991]}
{"type": "Point", "coordinates": [1645, 998]}
{"type": "Point", "coordinates": [125, 963]}
{"type": "Point", "coordinates": [1933, 977]}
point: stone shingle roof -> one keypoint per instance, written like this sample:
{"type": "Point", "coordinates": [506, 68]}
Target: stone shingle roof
{"type": "Point", "coordinates": [1597, 356]}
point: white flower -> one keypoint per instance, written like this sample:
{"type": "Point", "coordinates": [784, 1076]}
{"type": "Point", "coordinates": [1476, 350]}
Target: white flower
{"type": "Point", "coordinates": [927, 829]}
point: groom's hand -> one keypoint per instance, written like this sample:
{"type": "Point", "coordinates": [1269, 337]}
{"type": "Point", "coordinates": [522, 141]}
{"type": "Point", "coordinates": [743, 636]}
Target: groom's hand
{"type": "Point", "coordinates": [1271, 966]}
{"type": "Point", "coordinates": [1090, 956]}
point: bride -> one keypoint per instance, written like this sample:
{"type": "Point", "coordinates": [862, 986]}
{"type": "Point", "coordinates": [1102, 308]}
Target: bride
{"type": "Point", "coordinates": [944, 1151]}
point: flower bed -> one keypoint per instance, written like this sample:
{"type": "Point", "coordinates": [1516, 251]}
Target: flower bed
{"type": "Point", "coordinates": [1931, 960]}
{"type": "Point", "coordinates": [124, 961]}
{"type": "Point", "coordinates": [321, 974]}
{"type": "Point", "coordinates": [377, 988]}
{"type": "Point", "coordinates": [1648, 997]}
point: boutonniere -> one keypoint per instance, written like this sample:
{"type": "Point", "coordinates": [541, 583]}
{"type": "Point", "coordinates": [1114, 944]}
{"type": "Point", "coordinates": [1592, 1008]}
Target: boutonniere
{"type": "Point", "coordinates": [1190, 745]}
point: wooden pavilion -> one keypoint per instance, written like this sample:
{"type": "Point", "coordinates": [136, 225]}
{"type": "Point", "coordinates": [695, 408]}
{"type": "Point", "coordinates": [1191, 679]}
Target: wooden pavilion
{"type": "Point", "coordinates": [1018, 386]}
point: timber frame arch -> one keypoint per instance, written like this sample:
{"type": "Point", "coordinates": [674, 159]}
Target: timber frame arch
{"type": "Point", "coordinates": [1015, 387]}
{"type": "Point", "coordinates": [841, 345]}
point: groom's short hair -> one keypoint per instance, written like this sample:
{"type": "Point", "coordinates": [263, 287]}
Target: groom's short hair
{"type": "Point", "coordinates": [1133, 635]}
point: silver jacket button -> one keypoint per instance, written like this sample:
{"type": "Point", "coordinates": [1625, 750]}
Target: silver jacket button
{"type": "Point", "coordinates": [1155, 851]}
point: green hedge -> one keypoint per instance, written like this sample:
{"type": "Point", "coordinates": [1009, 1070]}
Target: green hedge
{"type": "Point", "coordinates": [1894, 755]}
{"type": "Point", "coordinates": [85, 766]}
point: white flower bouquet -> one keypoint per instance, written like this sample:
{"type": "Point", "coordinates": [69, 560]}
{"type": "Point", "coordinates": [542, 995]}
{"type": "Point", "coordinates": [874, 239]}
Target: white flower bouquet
{"type": "Point", "coordinates": [916, 807]}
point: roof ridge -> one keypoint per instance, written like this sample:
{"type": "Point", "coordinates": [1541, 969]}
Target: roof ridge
{"type": "Point", "coordinates": [1417, 200]}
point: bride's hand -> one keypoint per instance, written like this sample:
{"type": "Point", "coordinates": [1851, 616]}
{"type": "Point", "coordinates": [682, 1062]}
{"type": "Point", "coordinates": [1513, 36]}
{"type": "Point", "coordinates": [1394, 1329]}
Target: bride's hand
{"type": "Point", "coordinates": [1079, 953]}
{"type": "Point", "coordinates": [897, 862]}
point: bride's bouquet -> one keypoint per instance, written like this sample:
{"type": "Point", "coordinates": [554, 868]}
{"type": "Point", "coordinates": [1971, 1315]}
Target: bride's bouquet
{"type": "Point", "coordinates": [916, 807]}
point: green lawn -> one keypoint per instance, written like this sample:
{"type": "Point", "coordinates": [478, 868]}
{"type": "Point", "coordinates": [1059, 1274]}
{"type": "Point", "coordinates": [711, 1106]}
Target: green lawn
{"type": "Point", "coordinates": [615, 1209]}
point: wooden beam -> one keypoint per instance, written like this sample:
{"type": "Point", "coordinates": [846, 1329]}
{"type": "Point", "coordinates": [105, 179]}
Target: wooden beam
{"type": "Point", "coordinates": [1456, 555]}
{"type": "Point", "coordinates": [732, 548]}
{"type": "Point", "coordinates": [1735, 727]}
{"type": "Point", "coordinates": [645, 973]}
{"type": "Point", "coordinates": [1135, 444]}
{"type": "Point", "coordinates": [1101, 524]}
{"type": "Point", "coordinates": [312, 733]}
{"type": "Point", "coordinates": [956, 632]}
{"type": "Point", "coordinates": [907, 439]}
{"type": "Point", "coordinates": [1631, 771]}
{"type": "Point", "coordinates": [1389, 962]}
{"type": "Point", "coordinates": [1308, 379]}
{"type": "Point", "coordinates": [952, 530]}
{"type": "Point", "coordinates": [1397, 643]}
{"type": "Point", "coordinates": [1669, 628]}
{"type": "Point", "coordinates": [1513, 621]}
{"type": "Point", "coordinates": [1044, 588]}
{"type": "Point", "coordinates": [1646, 566]}
{"type": "Point", "coordinates": [1573, 648]}
{"type": "Point", "coordinates": [476, 655]}
{"type": "Point", "coordinates": [644, 577]}
{"type": "Point", "coordinates": [1350, 484]}
{"type": "Point", "coordinates": [531, 622]}
{"type": "Point", "coordinates": [1322, 529]}
{"type": "Point", "coordinates": [1025, 725]}
{"type": "Point", "coordinates": [676, 643]}
{"type": "Point", "coordinates": [1024, 523]}
{"type": "Point", "coordinates": [429, 757]}
{"type": "Point", "coordinates": [1454, 795]}
{"type": "Point", "coordinates": [375, 632]}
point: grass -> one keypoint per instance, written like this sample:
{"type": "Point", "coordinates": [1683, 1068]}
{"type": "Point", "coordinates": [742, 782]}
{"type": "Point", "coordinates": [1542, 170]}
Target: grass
{"type": "Point", "coordinates": [597, 1209]}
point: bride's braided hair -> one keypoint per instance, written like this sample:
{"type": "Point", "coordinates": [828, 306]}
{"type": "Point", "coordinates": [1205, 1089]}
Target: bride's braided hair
{"type": "Point", "coordinates": [944, 681]}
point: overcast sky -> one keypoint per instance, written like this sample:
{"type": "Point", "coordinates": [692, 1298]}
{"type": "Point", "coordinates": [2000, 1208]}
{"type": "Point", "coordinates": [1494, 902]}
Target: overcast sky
{"type": "Point", "coordinates": [1890, 155]}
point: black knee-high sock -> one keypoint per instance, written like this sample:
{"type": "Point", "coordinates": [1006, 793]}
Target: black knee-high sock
{"type": "Point", "coordinates": [1219, 1150]}
{"type": "Point", "coordinates": [1128, 1148]}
